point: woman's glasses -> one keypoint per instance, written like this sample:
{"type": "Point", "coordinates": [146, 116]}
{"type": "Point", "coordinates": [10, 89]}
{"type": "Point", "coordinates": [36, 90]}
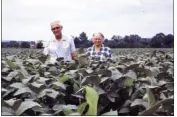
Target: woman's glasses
{"type": "Point", "coordinates": [97, 39]}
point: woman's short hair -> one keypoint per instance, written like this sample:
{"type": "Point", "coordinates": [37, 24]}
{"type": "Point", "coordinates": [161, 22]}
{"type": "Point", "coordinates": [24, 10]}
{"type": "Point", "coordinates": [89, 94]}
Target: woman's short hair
{"type": "Point", "coordinates": [99, 34]}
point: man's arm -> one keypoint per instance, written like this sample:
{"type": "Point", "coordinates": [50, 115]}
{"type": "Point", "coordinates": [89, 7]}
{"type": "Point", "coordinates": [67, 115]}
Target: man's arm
{"type": "Point", "coordinates": [73, 49]}
{"type": "Point", "coordinates": [46, 49]}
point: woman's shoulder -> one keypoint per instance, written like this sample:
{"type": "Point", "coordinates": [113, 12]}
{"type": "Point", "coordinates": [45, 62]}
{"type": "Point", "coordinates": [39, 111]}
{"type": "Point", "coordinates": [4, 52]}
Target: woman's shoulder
{"type": "Point", "coordinates": [105, 48]}
{"type": "Point", "coordinates": [89, 49]}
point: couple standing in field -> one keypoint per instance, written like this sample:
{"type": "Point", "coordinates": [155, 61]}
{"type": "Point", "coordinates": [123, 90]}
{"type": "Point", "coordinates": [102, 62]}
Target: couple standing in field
{"type": "Point", "coordinates": [63, 46]}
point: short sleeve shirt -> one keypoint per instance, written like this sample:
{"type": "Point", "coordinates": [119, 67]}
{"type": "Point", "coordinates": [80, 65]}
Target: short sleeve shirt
{"type": "Point", "coordinates": [62, 48]}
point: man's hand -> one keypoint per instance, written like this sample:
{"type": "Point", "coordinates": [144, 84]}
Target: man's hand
{"type": "Point", "coordinates": [74, 55]}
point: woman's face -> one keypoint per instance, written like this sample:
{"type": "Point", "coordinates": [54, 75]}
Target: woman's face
{"type": "Point", "coordinates": [97, 39]}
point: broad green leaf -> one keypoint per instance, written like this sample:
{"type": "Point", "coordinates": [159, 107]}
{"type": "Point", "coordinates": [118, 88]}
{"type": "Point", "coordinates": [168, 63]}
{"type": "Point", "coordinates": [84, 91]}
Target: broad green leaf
{"type": "Point", "coordinates": [151, 98]}
{"type": "Point", "coordinates": [110, 113]}
{"type": "Point", "coordinates": [67, 112]}
{"type": "Point", "coordinates": [23, 71]}
{"type": "Point", "coordinates": [4, 90]}
{"type": "Point", "coordinates": [7, 114]}
{"type": "Point", "coordinates": [38, 85]}
{"type": "Point", "coordinates": [116, 74]}
{"type": "Point", "coordinates": [75, 87]}
{"type": "Point", "coordinates": [92, 100]}
{"type": "Point", "coordinates": [17, 85]}
{"type": "Point", "coordinates": [59, 84]}
{"type": "Point", "coordinates": [105, 73]}
{"type": "Point", "coordinates": [124, 110]}
{"type": "Point", "coordinates": [67, 109]}
{"type": "Point", "coordinates": [7, 111]}
{"type": "Point", "coordinates": [75, 114]}
{"type": "Point", "coordinates": [14, 103]}
{"type": "Point", "coordinates": [64, 78]}
{"type": "Point", "coordinates": [13, 74]}
{"type": "Point", "coordinates": [153, 109]}
{"type": "Point", "coordinates": [139, 102]}
{"type": "Point", "coordinates": [11, 64]}
{"type": "Point", "coordinates": [53, 70]}
{"type": "Point", "coordinates": [26, 105]}
{"type": "Point", "coordinates": [45, 114]}
{"type": "Point", "coordinates": [81, 51]}
{"type": "Point", "coordinates": [145, 97]}
{"type": "Point", "coordinates": [5, 71]}
{"type": "Point", "coordinates": [81, 108]}
{"type": "Point", "coordinates": [8, 93]}
{"type": "Point", "coordinates": [131, 74]}
{"type": "Point", "coordinates": [43, 80]}
{"type": "Point", "coordinates": [129, 82]}
{"type": "Point", "coordinates": [104, 79]}
{"type": "Point", "coordinates": [43, 58]}
{"type": "Point", "coordinates": [22, 91]}
{"type": "Point", "coordinates": [99, 90]}
{"type": "Point", "coordinates": [155, 71]}
{"type": "Point", "coordinates": [27, 80]}
{"type": "Point", "coordinates": [92, 79]}
{"type": "Point", "coordinates": [33, 61]}
{"type": "Point", "coordinates": [83, 60]}
{"type": "Point", "coordinates": [49, 92]}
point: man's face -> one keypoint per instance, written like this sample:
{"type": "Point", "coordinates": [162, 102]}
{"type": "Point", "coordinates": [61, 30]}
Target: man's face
{"type": "Point", "coordinates": [97, 39]}
{"type": "Point", "coordinates": [56, 29]}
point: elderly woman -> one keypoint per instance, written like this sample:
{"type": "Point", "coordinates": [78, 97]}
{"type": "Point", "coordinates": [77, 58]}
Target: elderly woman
{"type": "Point", "coordinates": [98, 49]}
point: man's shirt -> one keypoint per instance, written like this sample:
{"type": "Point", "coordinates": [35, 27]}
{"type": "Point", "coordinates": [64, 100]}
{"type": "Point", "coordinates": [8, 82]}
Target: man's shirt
{"type": "Point", "coordinates": [62, 48]}
{"type": "Point", "coordinates": [104, 51]}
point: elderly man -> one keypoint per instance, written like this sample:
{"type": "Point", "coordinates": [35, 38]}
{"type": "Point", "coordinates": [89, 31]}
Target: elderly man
{"type": "Point", "coordinates": [98, 49]}
{"type": "Point", "coordinates": [61, 46]}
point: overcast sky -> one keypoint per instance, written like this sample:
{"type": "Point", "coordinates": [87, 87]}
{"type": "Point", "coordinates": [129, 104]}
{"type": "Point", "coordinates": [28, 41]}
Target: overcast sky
{"type": "Point", "coordinates": [30, 19]}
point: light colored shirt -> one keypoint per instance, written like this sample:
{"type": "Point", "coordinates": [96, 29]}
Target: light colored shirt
{"type": "Point", "coordinates": [62, 48]}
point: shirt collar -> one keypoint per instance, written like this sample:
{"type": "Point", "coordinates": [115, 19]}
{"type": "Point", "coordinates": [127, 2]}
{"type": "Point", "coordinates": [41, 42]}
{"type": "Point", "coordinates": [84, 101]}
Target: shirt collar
{"type": "Point", "coordinates": [62, 39]}
{"type": "Point", "coordinates": [93, 47]}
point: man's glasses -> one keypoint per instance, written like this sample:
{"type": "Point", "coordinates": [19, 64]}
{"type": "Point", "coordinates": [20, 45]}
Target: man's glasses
{"type": "Point", "coordinates": [56, 28]}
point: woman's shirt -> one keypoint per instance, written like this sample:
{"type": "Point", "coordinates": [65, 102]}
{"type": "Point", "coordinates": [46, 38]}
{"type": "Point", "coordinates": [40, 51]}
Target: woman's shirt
{"type": "Point", "coordinates": [104, 51]}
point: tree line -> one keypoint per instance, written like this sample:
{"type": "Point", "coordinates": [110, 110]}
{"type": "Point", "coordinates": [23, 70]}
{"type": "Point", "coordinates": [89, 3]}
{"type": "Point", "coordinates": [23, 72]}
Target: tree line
{"type": "Point", "coordinates": [160, 40]}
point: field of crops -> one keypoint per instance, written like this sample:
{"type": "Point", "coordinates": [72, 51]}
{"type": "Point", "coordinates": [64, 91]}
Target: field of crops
{"type": "Point", "coordinates": [132, 82]}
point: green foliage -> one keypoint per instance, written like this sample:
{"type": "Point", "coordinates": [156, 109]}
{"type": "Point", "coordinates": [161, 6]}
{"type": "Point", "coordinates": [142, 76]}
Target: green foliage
{"type": "Point", "coordinates": [39, 44]}
{"type": "Point", "coordinates": [81, 108]}
{"type": "Point", "coordinates": [11, 64]}
{"type": "Point", "coordinates": [92, 100]}
{"type": "Point", "coordinates": [64, 78]}
{"type": "Point", "coordinates": [133, 82]}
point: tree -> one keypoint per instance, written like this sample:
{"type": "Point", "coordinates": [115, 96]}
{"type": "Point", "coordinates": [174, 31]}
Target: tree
{"type": "Point", "coordinates": [83, 37]}
{"type": "Point", "coordinates": [116, 38]}
{"type": "Point", "coordinates": [25, 44]}
{"type": "Point", "coordinates": [82, 41]}
{"type": "Point", "coordinates": [169, 41]}
{"type": "Point", "coordinates": [14, 44]}
{"type": "Point", "coordinates": [158, 40]}
{"type": "Point", "coordinates": [39, 44]}
{"type": "Point", "coordinates": [77, 42]}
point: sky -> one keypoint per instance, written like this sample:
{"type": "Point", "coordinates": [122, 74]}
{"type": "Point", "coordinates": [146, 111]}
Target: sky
{"type": "Point", "coordinates": [30, 19]}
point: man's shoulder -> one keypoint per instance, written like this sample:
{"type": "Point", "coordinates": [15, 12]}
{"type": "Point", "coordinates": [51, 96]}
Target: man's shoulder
{"type": "Point", "coordinates": [49, 42]}
{"type": "Point", "coordinates": [68, 38]}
